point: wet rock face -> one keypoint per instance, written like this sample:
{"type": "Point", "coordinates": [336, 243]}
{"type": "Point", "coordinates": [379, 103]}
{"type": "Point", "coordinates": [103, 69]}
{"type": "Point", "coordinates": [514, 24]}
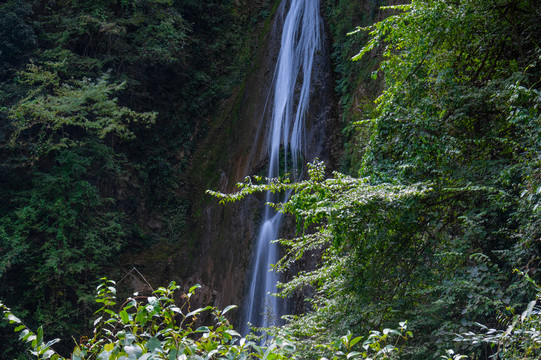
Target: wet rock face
{"type": "Point", "coordinates": [225, 233]}
{"type": "Point", "coordinates": [323, 138]}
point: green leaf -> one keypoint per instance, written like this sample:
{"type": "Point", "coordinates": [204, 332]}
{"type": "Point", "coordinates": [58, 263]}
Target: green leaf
{"type": "Point", "coordinates": [48, 354]}
{"type": "Point", "coordinates": [52, 342]}
{"type": "Point", "coordinates": [269, 350]}
{"type": "Point", "coordinates": [13, 319]}
{"type": "Point", "coordinates": [124, 317]}
{"type": "Point", "coordinates": [152, 300]}
{"type": "Point", "coordinates": [230, 307]}
{"type": "Point", "coordinates": [173, 354]}
{"type": "Point", "coordinates": [133, 351]}
{"type": "Point", "coordinates": [24, 334]}
{"type": "Point", "coordinates": [142, 316]}
{"type": "Point", "coordinates": [39, 339]}
{"type": "Point", "coordinates": [355, 341]}
{"type": "Point", "coordinates": [202, 329]}
{"type": "Point", "coordinates": [31, 338]}
{"type": "Point", "coordinates": [97, 321]}
{"type": "Point", "coordinates": [153, 345]}
{"type": "Point", "coordinates": [105, 355]}
{"type": "Point", "coordinates": [197, 311]}
{"type": "Point", "coordinates": [232, 333]}
{"type": "Point", "coordinates": [528, 312]}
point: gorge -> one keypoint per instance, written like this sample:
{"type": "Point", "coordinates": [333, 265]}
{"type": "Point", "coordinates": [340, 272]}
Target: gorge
{"type": "Point", "coordinates": [125, 125]}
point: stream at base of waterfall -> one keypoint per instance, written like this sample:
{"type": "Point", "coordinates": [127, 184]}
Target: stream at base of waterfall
{"type": "Point", "coordinates": [289, 98]}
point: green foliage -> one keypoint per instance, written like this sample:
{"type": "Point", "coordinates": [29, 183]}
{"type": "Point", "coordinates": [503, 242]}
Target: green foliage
{"type": "Point", "coordinates": [86, 160]}
{"type": "Point", "coordinates": [154, 327]}
{"type": "Point", "coordinates": [446, 205]}
{"type": "Point", "coordinates": [59, 226]}
{"type": "Point", "coordinates": [137, 32]}
{"type": "Point", "coordinates": [17, 36]}
{"type": "Point", "coordinates": [354, 221]}
{"type": "Point", "coordinates": [449, 116]}
{"type": "Point", "coordinates": [58, 114]}
{"type": "Point", "coordinates": [451, 70]}
{"type": "Point", "coordinates": [520, 340]}
{"type": "Point", "coordinates": [379, 345]}
{"type": "Point", "coordinates": [39, 349]}
{"type": "Point", "coordinates": [57, 235]}
{"type": "Point", "coordinates": [356, 93]}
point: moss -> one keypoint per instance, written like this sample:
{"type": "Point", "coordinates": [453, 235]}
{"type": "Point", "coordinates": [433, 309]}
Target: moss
{"type": "Point", "coordinates": [211, 156]}
{"type": "Point", "coordinates": [354, 85]}
{"type": "Point", "coordinates": [268, 22]}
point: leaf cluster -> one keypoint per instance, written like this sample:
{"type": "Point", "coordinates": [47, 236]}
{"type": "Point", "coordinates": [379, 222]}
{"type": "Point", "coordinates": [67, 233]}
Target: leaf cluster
{"type": "Point", "coordinates": [18, 37]}
{"type": "Point", "coordinates": [154, 327]}
{"type": "Point", "coordinates": [60, 114]}
{"type": "Point", "coordinates": [521, 338]}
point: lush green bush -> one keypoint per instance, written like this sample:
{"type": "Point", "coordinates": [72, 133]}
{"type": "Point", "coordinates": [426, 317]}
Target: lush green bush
{"type": "Point", "coordinates": [521, 338]}
{"type": "Point", "coordinates": [155, 327]}
{"type": "Point", "coordinates": [58, 223]}
{"type": "Point", "coordinates": [369, 250]}
{"type": "Point", "coordinates": [457, 122]}
{"type": "Point", "coordinates": [375, 267]}
{"type": "Point", "coordinates": [58, 114]}
{"type": "Point", "coordinates": [61, 232]}
{"type": "Point", "coordinates": [84, 158]}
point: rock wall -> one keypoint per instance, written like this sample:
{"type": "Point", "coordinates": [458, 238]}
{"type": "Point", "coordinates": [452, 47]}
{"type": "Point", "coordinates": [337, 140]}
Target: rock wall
{"type": "Point", "coordinates": [235, 148]}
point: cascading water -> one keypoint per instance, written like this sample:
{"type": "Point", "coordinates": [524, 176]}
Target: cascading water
{"type": "Point", "coordinates": [290, 95]}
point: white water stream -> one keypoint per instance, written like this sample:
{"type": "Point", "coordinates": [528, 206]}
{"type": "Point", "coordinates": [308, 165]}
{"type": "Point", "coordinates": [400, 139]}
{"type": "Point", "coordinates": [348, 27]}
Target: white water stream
{"type": "Point", "coordinates": [290, 93]}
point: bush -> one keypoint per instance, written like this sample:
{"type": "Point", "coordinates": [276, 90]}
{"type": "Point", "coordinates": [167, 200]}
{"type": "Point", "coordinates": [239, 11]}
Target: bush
{"type": "Point", "coordinates": [154, 327]}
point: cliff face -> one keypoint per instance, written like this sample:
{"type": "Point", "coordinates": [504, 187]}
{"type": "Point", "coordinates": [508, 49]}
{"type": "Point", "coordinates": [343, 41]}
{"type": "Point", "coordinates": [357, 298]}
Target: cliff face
{"type": "Point", "coordinates": [237, 147]}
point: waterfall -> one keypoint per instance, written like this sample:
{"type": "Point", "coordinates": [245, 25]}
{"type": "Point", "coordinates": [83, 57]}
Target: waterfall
{"type": "Point", "coordinates": [289, 98]}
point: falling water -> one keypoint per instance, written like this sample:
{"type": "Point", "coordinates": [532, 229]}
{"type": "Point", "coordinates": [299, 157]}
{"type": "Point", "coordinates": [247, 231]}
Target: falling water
{"type": "Point", "coordinates": [290, 94]}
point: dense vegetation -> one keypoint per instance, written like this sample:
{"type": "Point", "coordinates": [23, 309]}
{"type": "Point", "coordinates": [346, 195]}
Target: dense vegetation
{"type": "Point", "coordinates": [103, 103]}
{"type": "Point", "coordinates": [453, 153]}
{"type": "Point", "coordinates": [437, 223]}
{"type": "Point", "coordinates": [446, 203]}
{"type": "Point", "coordinates": [154, 327]}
